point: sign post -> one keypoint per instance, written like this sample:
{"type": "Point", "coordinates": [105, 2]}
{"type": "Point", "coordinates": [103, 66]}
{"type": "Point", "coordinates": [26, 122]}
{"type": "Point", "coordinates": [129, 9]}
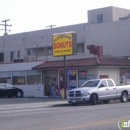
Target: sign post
{"type": "Point", "coordinates": [64, 76]}
{"type": "Point", "coordinates": [64, 44]}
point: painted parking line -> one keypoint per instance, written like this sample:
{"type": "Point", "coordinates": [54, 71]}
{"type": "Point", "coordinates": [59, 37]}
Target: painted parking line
{"type": "Point", "coordinates": [98, 123]}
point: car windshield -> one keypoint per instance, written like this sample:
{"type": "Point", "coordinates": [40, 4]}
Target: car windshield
{"type": "Point", "coordinates": [9, 86]}
{"type": "Point", "coordinates": [90, 83]}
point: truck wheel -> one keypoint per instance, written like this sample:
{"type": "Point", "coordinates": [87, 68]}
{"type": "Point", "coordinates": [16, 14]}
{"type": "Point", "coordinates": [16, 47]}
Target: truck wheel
{"type": "Point", "coordinates": [124, 97]}
{"type": "Point", "coordinates": [106, 101]}
{"type": "Point", "coordinates": [93, 99]}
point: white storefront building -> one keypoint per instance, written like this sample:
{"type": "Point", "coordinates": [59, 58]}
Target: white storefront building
{"type": "Point", "coordinates": [22, 76]}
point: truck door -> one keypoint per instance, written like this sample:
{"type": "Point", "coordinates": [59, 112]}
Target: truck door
{"type": "Point", "coordinates": [103, 90]}
{"type": "Point", "coordinates": [112, 89]}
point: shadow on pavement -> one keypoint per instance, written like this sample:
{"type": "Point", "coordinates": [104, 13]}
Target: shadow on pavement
{"type": "Point", "coordinates": [77, 104]}
{"type": "Point", "coordinates": [85, 104]}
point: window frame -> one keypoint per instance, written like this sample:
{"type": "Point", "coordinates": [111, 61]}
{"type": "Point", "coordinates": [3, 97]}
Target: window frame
{"type": "Point", "coordinates": [19, 77]}
{"type": "Point", "coordinates": [103, 84]}
{"type": "Point", "coordinates": [12, 55]}
{"type": "Point", "coordinates": [111, 82]}
{"type": "Point", "coordinates": [99, 18]}
{"type": "Point", "coordinates": [18, 54]}
{"type": "Point", "coordinates": [49, 50]}
{"type": "Point", "coordinates": [1, 56]}
{"type": "Point", "coordinates": [82, 48]}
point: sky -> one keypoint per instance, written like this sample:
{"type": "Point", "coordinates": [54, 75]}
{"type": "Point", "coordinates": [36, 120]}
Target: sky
{"type": "Point", "coordinates": [32, 15]}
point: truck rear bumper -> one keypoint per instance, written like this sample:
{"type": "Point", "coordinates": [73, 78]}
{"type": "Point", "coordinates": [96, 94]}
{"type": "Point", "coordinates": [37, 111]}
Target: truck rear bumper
{"type": "Point", "coordinates": [78, 99]}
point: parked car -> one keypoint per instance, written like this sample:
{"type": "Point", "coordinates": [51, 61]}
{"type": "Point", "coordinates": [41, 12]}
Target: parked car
{"type": "Point", "coordinates": [9, 90]}
{"type": "Point", "coordinates": [99, 90]}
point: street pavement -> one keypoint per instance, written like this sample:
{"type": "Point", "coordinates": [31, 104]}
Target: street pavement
{"type": "Point", "coordinates": [30, 103]}
{"type": "Point", "coordinates": [33, 103]}
{"type": "Point", "coordinates": [57, 114]}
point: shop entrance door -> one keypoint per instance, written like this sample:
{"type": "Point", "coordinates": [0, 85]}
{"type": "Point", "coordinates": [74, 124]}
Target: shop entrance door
{"type": "Point", "coordinates": [53, 82]}
{"type": "Point", "coordinates": [50, 82]}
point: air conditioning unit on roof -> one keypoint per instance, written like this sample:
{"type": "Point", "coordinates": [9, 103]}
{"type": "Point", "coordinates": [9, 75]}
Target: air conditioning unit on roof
{"type": "Point", "coordinates": [18, 60]}
{"type": "Point", "coordinates": [30, 58]}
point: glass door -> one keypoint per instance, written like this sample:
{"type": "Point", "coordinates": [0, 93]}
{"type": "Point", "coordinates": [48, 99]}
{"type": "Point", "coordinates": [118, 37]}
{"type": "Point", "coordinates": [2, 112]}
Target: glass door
{"type": "Point", "coordinates": [53, 84]}
{"type": "Point", "coordinates": [50, 85]}
{"type": "Point", "coordinates": [47, 85]}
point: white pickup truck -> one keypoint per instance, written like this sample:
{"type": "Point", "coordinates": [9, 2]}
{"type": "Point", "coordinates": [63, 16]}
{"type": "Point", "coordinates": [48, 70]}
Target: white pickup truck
{"type": "Point", "coordinates": [99, 90]}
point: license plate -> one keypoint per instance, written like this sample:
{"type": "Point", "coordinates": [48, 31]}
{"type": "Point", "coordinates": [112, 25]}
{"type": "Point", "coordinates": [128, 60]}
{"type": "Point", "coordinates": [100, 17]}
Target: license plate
{"type": "Point", "coordinates": [73, 101]}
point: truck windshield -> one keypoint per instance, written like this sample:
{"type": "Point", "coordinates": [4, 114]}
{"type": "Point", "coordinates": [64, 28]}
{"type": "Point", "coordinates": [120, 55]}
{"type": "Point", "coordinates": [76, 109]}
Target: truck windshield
{"type": "Point", "coordinates": [90, 83]}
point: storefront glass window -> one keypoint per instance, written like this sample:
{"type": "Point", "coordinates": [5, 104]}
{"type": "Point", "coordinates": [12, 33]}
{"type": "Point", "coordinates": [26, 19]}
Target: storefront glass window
{"type": "Point", "coordinates": [50, 72]}
{"type": "Point", "coordinates": [5, 77]}
{"type": "Point", "coordinates": [89, 77]}
{"type": "Point", "coordinates": [128, 76]}
{"type": "Point", "coordinates": [124, 76]}
{"type": "Point", "coordinates": [72, 78]}
{"type": "Point", "coordinates": [18, 77]}
{"type": "Point", "coordinates": [82, 76]}
{"type": "Point", "coordinates": [33, 77]}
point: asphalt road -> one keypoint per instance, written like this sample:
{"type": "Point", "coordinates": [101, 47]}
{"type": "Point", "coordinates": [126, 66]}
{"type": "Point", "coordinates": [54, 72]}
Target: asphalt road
{"type": "Point", "coordinates": [22, 100]}
{"type": "Point", "coordinates": [62, 116]}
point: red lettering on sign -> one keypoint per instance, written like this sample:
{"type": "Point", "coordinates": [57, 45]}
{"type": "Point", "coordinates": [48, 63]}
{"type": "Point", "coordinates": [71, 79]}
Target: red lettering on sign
{"type": "Point", "coordinates": [67, 44]}
{"type": "Point", "coordinates": [54, 46]}
{"type": "Point", "coordinates": [70, 44]}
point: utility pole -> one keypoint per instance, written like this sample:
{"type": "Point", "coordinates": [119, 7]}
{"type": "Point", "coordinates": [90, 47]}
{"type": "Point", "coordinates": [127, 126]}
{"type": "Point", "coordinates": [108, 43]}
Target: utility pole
{"type": "Point", "coordinates": [5, 25]}
{"type": "Point", "coordinates": [50, 26]}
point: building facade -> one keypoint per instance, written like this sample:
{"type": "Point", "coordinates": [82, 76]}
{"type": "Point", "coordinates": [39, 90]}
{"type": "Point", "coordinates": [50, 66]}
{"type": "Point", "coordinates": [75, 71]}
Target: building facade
{"type": "Point", "coordinates": [111, 32]}
{"type": "Point", "coordinates": [107, 27]}
{"type": "Point", "coordinates": [107, 14]}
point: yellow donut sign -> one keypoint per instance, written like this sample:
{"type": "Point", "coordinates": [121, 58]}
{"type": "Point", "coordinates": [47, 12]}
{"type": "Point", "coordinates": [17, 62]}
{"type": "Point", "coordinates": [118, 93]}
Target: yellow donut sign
{"type": "Point", "coordinates": [64, 44]}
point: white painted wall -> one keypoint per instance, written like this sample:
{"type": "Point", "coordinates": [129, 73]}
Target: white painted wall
{"type": "Point", "coordinates": [42, 38]}
{"type": "Point", "coordinates": [110, 14]}
{"type": "Point", "coordinates": [29, 90]}
{"type": "Point", "coordinates": [113, 36]}
{"type": "Point", "coordinates": [32, 90]}
{"type": "Point", "coordinates": [106, 12]}
{"type": "Point", "coordinates": [112, 72]}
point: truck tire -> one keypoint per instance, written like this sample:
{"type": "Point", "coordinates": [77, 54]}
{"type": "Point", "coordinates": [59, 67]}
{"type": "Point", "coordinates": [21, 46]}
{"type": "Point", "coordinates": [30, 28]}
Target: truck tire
{"type": "Point", "coordinates": [106, 101]}
{"type": "Point", "coordinates": [93, 99]}
{"type": "Point", "coordinates": [124, 97]}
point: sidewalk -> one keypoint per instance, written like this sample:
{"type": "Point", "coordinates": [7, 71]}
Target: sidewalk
{"type": "Point", "coordinates": [47, 102]}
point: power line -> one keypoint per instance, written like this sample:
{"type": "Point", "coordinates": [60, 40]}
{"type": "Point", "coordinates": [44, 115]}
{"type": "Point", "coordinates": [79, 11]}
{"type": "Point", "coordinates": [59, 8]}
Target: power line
{"type": "Point", "coordinates": [5, 25]}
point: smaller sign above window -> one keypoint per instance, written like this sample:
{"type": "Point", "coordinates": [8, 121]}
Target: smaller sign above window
{"type": "Point", "coordinates": [82, 74]}
{"type": "Point", "coordinates": [103, 76]}
{"type": "Point", "coordinates": [72, 72]}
